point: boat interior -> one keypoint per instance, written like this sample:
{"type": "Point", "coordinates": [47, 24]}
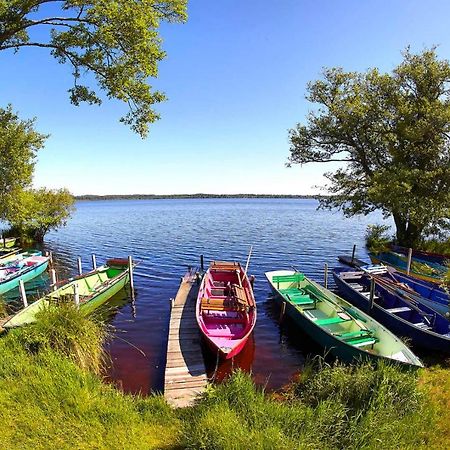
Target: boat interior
{"type": "Point", "coordinates": [417, 314]}
{"type": "Point", "coordinates": [226, 305]}
{"type": "Point", "coordinates": [338, 319]}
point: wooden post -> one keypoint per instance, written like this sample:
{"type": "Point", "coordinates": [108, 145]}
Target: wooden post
{"type": "Point", "coordinates": [325, 276]}
{"type": "Point", "coordinates": [353, 252]}
{"type": "Point", "coordinates": [53, 278]}
{"type": "Point", "coordinates": [282, 312]}
{"type": "Point", "coordinates": [372, 293]}
{"type": "Point", "coordinates": [80, 267]}
{"type": "Point", "coordinates": [130, 270]}
{"type": "Point", "coordinates": [252, 281]}
{"type": "Point", "coordinates": [50, 255]}
{"type": "Point", "coordinates": [76, 295]}
{"type": "Point", "coordinates": [408, 264]}
{"type": "Point", "coordinates": [202, 265]}
{"type": "Point", "coordinates": [94, 263]}
{"type": "Point", "coordinates": [23, 294]}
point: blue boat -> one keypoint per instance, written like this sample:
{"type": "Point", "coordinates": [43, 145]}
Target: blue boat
{"type": "Point", "coordinates": [426, 292]}
{"type": "Point", "coordinates": [424, 326]}
{"type": "Point", "coordinates": [22, 269]}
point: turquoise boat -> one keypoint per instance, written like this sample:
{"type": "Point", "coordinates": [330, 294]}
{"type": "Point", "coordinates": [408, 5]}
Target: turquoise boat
{"type": "Point", "coordinates": [23, 269]}
{"type": "Point", "coordinates": [93, 289]}
{"type": "Point", "coordinates": [345, 331]}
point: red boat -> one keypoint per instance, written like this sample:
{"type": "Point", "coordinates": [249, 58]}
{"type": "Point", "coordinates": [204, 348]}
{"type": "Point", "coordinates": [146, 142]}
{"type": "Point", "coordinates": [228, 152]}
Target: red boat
{"type": "Point", "coordinates": [226, 308]}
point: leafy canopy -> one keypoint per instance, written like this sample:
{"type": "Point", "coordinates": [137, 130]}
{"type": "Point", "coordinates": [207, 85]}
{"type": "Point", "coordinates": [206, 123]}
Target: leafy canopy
{"type": "Point", "coordinates": [35, 212]}
{"type": "Point", "coordinates": [392, 132]}
{"type": "Point", "coordinates": [115, 40]}
{"type": "Point", "coordinates": [19, 143]}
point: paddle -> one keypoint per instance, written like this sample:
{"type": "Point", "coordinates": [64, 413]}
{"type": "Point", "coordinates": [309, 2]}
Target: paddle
{"type": "Point", "coordinates": [248, 260]}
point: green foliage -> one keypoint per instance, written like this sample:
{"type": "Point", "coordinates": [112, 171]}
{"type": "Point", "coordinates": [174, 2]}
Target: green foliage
{"type": "Point", "coordinates": [32, 213]}
{"type": "Point", "coordinates": [377, 239]}
{"type": "Point", "coordinates": [116, 41]}
{"type": "Point", "coordinates": [19, 143]}
{"type": "Point", "coordinates": [392, 130]}
{"type": "Point", "coordinates": [48, 401]}
{"type": "Point", "coordinates": [66, 331]}
{"type": "Point", "coordinates": [332, 407]}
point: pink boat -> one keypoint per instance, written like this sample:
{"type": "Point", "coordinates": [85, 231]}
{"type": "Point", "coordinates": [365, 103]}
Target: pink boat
{"type": "Point", "coordinates": [226, 308]}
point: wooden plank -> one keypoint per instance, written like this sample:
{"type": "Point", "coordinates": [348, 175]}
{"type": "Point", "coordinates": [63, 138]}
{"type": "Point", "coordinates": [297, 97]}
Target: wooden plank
{"type": "Point", "coordinates": [185, 374]}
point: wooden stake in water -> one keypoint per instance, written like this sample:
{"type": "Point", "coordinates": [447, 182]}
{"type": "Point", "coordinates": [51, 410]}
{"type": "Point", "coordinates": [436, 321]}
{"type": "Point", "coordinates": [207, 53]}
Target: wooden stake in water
{"type": "Point", "coordinates": [202, 266]}
{"type": "Point", "coordinates": [50, 255]}
{"type": "Point", "coordinates": [325, 276]}
{"type": "Point", "coordinates": [53, 278]}
{"type": "Point", "coordinates": [76, 295]}
{"type": "Point", "coordinates": [80, 267]}
{"type": "Point", "coordinates": [130, 270]}
{"type": "Point", "coordinates": [372, 293]}
{"type": "Point", "coordinates": [282, 312]}
{"type": "Point", "coordinates": [23, 294]}
{"type": "Point", "coordinates": [94, 263]}
{"type": "Point", "coordinates": [408, 264]}
{"type": "Point", "coordinates": [353, 252]}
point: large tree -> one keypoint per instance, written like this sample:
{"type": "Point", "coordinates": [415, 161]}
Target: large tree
{"type": "Point", "coordinates": [115, 40]}
{"type": "Point", "coordinates": [392, 134]}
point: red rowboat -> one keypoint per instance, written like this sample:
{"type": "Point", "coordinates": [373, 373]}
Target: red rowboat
{"type": "Point", "coordinates": [226, 308]}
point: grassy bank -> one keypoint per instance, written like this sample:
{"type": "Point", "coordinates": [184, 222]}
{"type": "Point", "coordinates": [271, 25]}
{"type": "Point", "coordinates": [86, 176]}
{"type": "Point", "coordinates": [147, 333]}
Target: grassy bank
{"type": "Point", "coordinates": [52, 397]}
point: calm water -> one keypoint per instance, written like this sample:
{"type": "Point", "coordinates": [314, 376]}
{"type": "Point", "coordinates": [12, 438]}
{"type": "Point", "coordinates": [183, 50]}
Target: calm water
{"type": "Point", "coordinates": [166, 236]}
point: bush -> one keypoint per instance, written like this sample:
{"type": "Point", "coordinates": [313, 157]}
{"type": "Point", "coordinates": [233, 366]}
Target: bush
{"type": "Point", "coordinates": [377, 239]}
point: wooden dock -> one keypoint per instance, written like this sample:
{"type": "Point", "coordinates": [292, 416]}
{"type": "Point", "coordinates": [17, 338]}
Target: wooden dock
{"type": "Point", "coordinates": [185, 374]}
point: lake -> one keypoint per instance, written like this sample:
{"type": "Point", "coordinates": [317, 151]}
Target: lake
{"type": "Point", "coordinates": [167, 236]}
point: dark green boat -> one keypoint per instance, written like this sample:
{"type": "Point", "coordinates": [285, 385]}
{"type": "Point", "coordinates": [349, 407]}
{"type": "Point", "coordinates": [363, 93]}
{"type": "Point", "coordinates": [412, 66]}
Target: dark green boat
{"type": "Point", "coordinates": [335, 324]}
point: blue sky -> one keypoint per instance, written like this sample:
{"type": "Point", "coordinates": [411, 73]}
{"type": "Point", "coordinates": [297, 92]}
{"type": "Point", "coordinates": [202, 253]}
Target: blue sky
{"type": "Point", "coordinates": [236, 76]}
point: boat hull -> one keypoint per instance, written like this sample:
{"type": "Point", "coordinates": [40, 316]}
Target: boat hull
{"type": "Point", "coordinates": [27, 276]}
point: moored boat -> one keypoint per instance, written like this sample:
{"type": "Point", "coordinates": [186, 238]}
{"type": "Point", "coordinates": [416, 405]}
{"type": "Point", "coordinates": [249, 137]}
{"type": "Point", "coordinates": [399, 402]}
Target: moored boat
{"type": "Point", "coordinates": [22, 269]}
{"type": "Point", "coordinates": [7, 242]}
{"type": "Point", "coordinates": [421, 324]}
{"type": "Point", "coordinates": [93, 289]}
{"type": "Point", "coordinates": [226, 308]}
{"type": "Point", "coordinates": [337, 326]}
{"type": "Point", "coordinates": [439, 258]}
{"type": "Point", "coordinates": [420, 269]}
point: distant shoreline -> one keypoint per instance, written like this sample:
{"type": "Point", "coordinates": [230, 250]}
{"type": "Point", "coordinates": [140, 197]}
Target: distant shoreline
{"type": "Point", "coordinates": [189, 196]}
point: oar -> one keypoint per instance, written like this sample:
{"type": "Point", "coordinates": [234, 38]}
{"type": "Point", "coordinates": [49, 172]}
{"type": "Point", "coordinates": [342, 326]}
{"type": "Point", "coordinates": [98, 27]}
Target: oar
{"type": "Point", "coordinates": [248, 260]}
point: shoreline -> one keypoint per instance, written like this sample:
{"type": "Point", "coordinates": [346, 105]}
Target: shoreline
{"type": "Point", "coordinates": [192, 196]}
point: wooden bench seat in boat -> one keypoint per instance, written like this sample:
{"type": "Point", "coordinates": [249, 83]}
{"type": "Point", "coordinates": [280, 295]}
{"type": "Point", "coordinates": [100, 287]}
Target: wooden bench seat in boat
{"type": "Point", "coordinates": [298, 297]}
{"type": "Point", "coordinates": [399, 309]}
{"type": "Point", "coordinates": [332, 320]}
{"type": "Point", "coordinates": [294, 278]}
{"type": "Point", "coordinates": [362, 342]}
{"type": "Point", "coordinates": [240, 295]}
{"type": "Point", "coordinates": [221, 304]}
{"type": "Point", "coordinates": [346, 335]}
{"type": "Point", "coordinates": [224, 265]}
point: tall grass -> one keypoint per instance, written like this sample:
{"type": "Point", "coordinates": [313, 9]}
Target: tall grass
{"type": "Point", "coordinates": [331, 407]}
{"type": "Point", "coordinates": [50, 396]}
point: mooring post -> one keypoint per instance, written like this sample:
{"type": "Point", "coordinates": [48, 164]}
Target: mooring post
{"type": "Point", "coordinates": [94, 262]}
{"type": "Point", "coordinates": [252, 281]}
{"type": "Point", "coordinates": [325, 276]}
{"type": "Point", "coordinates": [282, 312]}
{"type": "Point", "coordinates": [53, 279]}
{"type": "Point", "coordinates": [130, 271]}
{"type": "Point", "coordinates": [202, 266]}
{"type": "Point", "coordinates": [197, 278]}
{"type": "Point", "coordinates": [408, 265]}
{"type": "Point", "coordinates": [353, 252]}
{"type": "Point", "coordinates": [372, 293]}
{"type": "Point", "coordinates": [4, 241]}
{"type": "Point", "coordinates": [76, 295]}
{"type": "Point", "coordinates": [50, 257]}
{"type": "Point", "coordinates": [80, 267]}
{"type": "Point", "coordinates": [23, 294]}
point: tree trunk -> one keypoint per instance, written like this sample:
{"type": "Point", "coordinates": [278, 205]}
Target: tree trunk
{"type": "Point", "coordinates": [408, 234]}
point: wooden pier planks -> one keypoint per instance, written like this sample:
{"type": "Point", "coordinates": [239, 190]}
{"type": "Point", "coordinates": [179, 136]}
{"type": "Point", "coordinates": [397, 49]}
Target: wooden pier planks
{"type": "Point", "coordinates": [185, 374]}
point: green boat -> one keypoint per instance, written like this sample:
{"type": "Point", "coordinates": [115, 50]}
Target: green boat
{"type": "Point", "coordinates": [7, 242]}
{"type": "Point", "coordinates": [93, 289]}
{"type": "Point", "coordinates": [336, 325]}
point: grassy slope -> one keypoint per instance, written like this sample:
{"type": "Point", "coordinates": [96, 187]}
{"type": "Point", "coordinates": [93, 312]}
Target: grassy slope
{"type": "Point", "coordinates": [50, 397]}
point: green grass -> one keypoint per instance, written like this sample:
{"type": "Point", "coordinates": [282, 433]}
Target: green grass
{"type": "Point", "coordinates": [52, 397]}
